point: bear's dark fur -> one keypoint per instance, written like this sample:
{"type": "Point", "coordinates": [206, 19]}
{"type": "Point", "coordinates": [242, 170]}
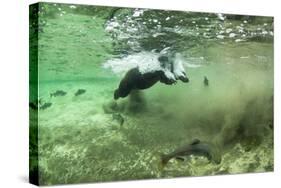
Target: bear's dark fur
{"type": "Point", "coordinates": [136, 80]}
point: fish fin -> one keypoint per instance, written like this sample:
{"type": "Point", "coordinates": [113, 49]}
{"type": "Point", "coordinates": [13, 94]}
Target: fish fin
{"type": "Point", "coordinates": [180, 158]}
{"type": "Point", "coordinates": [195, 141]}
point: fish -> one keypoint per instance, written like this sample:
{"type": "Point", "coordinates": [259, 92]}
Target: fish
{"type": "Point", "coordinates": [118, 117]}
{"type": "Point", "coordinates": [45, 106]}
{"type": "Point", "coordinates": [80, 92]}
{"type": "Point", "coordinates": [58, 93]}
{"type": "Point", "coordinates": [196, 147]}
{"type": "Point", "coordinates": [206, 81]}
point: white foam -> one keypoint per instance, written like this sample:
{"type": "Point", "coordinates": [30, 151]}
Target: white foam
{"type": "Point", "coordinates": [146, 61]}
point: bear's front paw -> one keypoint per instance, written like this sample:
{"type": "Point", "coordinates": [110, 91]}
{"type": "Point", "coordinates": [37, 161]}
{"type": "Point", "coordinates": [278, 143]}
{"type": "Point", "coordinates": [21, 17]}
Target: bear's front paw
{"type": "Point", "coordinates": [168, 81]}
{"type": "Point", "coordinates": [184, 79]}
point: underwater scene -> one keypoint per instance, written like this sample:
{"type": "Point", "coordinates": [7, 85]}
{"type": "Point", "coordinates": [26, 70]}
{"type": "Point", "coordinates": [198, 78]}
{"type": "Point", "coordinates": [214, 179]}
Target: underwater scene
{"type": "Point", "coordinates": [129, 93]}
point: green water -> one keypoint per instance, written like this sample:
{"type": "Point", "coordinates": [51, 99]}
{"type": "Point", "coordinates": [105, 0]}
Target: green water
{"type": "Point", "coordinates": [79, 142]}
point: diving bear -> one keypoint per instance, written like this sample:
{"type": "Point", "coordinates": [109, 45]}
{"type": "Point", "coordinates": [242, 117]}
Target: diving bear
{"type": "Point", "coordinates": [170, 71]}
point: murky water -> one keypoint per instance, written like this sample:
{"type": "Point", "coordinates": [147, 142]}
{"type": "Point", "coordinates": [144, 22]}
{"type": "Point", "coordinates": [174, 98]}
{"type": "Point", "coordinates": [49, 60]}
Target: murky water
{"type": "Point", "coordinates": [91, 48]}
